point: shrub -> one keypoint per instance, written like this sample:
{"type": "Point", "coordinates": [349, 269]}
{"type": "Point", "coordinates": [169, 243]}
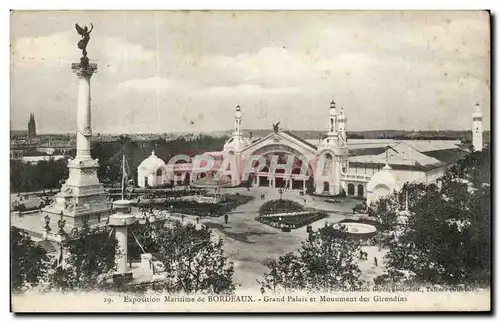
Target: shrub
{"type": "Point", "coordinates": [280, 206]}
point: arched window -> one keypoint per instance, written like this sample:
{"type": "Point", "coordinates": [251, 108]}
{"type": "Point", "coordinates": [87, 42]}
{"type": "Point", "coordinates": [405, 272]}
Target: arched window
{"type": "Point", "coordinates": [350, 189]}
{"type": "Point", "coordinates": [159, 172]}
{"type": "Point", "coordinates": [361, 189]}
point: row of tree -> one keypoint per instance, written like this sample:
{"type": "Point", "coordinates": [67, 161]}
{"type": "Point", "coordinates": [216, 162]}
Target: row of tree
{"type": "Point", "coordinates": [194, 260]}
{"type": "Point", "coordinates": [443, 238]}
{"type": "Point", "coordinates": [49, 174]}
{"type": "Point", "coordinates": [45, 174]}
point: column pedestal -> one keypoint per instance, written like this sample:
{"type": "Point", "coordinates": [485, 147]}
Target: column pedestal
{"type": "Point", "coordinates": [120, 220]}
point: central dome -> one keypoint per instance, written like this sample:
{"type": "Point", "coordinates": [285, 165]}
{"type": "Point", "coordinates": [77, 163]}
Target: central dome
{"type": "Point", "coordinates": [151, 164]}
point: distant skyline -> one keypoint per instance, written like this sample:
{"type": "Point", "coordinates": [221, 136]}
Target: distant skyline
{"type": "Point", "coordinates": [162, 72]}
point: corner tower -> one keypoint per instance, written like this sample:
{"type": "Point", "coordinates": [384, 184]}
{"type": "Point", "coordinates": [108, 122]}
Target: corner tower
{"type": "Point", "coordinates": [477, 128]}
{"type": "Point", "coordinates": [331, 156]}
{"type": "Point", "coordinates": [233, 147]}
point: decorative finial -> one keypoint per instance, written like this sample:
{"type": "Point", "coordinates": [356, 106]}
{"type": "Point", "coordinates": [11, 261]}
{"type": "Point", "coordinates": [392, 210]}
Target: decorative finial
{"type": "Point", "coordinates": [478, 108]}
{"type": "Point", "coordinates": [238, 108]}
{"type": "Point", "coordinates": [332, 104]}
{"type": "Point", "coordinates": [153, 152]}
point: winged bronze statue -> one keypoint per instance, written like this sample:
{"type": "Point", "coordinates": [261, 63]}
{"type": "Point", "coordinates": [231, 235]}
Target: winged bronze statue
{"type": "Point", "coordinates": [85, 33]}
{"type": "Point", "coordinates": [276, 127]}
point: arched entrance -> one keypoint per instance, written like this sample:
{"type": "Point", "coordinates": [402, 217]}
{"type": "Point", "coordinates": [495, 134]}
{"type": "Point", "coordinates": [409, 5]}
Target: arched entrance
{"type": "Point", "coordinates": [326, 187]}
{"type": "Point", "coordinates": [361, 191]}
{"type": "Point", "coordinates": [281, 178]}
{"type": "Point", "coordinates": [350, 189]}
{"type": "Point", "coordinates": [297, 183]}
{"type": "Point", "coordinates": [381, 190]}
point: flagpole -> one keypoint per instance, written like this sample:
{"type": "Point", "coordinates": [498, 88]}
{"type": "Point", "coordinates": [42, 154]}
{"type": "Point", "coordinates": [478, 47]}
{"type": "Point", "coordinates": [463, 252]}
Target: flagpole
{"type": "Point", "coordinates": [123, 177]}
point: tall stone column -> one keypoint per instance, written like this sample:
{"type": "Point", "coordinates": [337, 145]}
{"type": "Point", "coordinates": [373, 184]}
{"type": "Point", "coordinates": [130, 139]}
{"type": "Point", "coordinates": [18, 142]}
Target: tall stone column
{"type": "Point", "coordinates": [82, 194]}
{"type": "Point", "coordinates": [84, 126]}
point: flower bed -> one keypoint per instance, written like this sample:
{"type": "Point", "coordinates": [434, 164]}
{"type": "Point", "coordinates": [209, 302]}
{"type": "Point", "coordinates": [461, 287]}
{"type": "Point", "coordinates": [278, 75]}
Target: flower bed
{"type": "Point", "coordinates": [292, 222]}
{"type": "Point", "coordinates": [205, 209]}
{"type": "Point", "coordinates": [280, 206]}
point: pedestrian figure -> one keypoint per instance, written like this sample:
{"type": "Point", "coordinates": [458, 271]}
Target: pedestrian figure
{"type": "Point", "coordinates": [375, 261]}
{"type": "Point", "coordinates": [182, 217]}
{"type": "Point", "coordinates": [226, 218]}
{"type": "Point", "coordinates": [198, 220]}
{"type": "Point", "coordinates": [262, 290]}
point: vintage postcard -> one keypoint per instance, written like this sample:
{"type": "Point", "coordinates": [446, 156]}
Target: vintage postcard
{"type": "Point", "coordinates": [250, 161]}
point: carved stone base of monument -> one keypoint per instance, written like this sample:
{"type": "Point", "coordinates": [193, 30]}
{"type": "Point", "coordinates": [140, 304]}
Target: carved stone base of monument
{"type": "Point", "coordinates": [81, 196]}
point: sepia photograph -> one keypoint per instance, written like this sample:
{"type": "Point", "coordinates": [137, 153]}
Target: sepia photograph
{"type": "Point", "coordinates": [250, 161]}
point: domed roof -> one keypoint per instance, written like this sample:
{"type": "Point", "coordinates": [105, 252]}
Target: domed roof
{"type": "Point", "coordinates": [152, 163]}
{"type": "Point", "coordinates": [383, 177]}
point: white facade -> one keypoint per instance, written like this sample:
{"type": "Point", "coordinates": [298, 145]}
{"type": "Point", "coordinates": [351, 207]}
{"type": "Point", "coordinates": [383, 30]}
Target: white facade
{"type": "Point", "coordinates": [152, 172]}
{"type": "Point", "coordinates": [382, 184]}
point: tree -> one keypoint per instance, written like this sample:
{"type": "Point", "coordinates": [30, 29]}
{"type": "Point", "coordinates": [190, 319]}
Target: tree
{"type": "Point", "coordinates": [447, 236]}
{"type": "Point", "coordinates": [90, 258]}
{"type": "Point", "coordinates": [29, 262]}
{"type": "Point", "coordinates": [388, 210]}
{"type": "Point", "coordinates": [327, 261]}
{"type": "Point", "coordinates": [194, 260]}
{"type": "Point", "coordinates": [42, 175]}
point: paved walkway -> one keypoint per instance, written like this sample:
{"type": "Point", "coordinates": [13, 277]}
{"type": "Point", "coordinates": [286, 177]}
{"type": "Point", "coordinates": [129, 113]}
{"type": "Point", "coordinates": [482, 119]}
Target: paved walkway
{"type": "Point", "coordinates": [250, 244]}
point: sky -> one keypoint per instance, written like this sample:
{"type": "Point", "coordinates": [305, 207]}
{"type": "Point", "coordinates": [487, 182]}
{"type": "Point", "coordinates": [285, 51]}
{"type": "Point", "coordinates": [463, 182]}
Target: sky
{"type": "Point", "coordinates": [173, 71]}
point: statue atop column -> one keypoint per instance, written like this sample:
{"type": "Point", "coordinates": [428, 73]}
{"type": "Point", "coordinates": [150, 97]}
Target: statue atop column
{"type": "Point", "coordinates": [82, 44]}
